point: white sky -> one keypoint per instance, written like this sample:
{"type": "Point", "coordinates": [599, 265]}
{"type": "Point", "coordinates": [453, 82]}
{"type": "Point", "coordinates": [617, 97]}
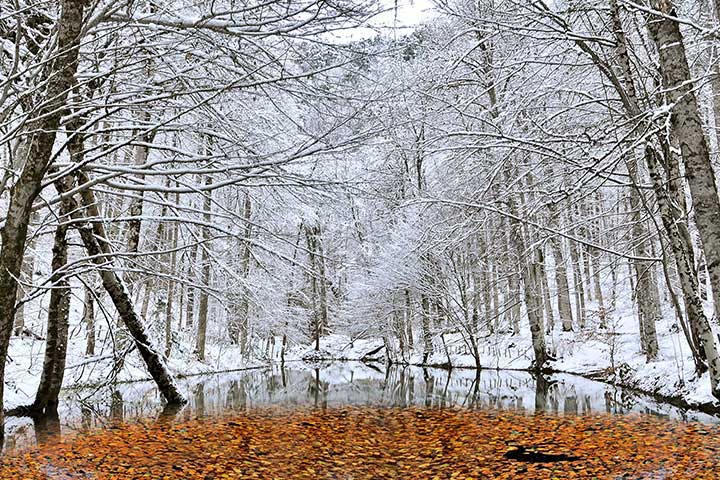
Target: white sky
{"type": "Point", "coordinates": [408, 14]}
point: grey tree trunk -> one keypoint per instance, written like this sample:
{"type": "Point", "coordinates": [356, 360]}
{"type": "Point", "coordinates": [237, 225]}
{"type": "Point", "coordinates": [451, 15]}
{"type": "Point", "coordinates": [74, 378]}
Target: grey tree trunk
{"type": "Point", "coordinates": [578, 285]}
{"type": "Point", "coordinates": [26, 277]}
{"type": "Point", "coordinates": [136, 207]}
{"type": "Point", "coordinates": [57, 323]}
{"type": "Point", "coordinates": [687, 127]}
{"type": "Point", "coordinates": [646, 293]}
{"type": "Point", "coordinates": [563, 290]}
{"type": "Point", "coordinates": [701, 335]}
{"type": "Point", "coordinates": [93, 235]}
{"type": "Point", "coordinates": [595, 260]}
{"type": "Point", "coordinates": [408, 320]}
{"type": "Point", "coordinates": [494, 281]}
{"type": "Point", "coordinates": [547, 304]}
{"type": "Point", "coordinates": [190, 289]}
{"type": "Point", "coordinates": [240, 327]}
{"type": "Point", "coordinates": [89, 320]}
{"type": "Point", "coordinates": [205, 263]}
{"type": "Point", "coordinates": [530, 268]}
{"type": "Point", "coordinates": [426, 333]}
{"type": "Point", "coordinates": [514, 302]}
{"type": "Point", "coordinates": [171, 286]}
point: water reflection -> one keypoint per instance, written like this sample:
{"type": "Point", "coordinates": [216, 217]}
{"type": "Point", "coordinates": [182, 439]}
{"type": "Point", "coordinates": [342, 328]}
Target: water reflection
{"type": "Point", "coordinates": [337, 384]}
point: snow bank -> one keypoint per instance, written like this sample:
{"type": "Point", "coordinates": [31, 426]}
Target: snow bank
{"type": "Point", "coordinates": [339, 347]}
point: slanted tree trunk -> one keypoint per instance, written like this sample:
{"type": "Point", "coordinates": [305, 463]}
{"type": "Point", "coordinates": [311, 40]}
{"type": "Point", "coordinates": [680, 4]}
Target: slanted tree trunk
{"type": "Point", "coordinates": [646, 288]}
{"type": "Point", "coordinates": [42, 128]}
{"type": "Point", "coordinates": [714, 51]}
{"type": "Point", "coordinates": [99, 250]}
{"type": "Point", "coordinates": [701, 336]}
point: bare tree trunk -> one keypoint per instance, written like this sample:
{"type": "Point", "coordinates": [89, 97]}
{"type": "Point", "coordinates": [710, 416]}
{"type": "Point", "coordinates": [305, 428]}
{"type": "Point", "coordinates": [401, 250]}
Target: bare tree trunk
{"type": "Point", "coordinates": [426, 333]}
{"type": "Point", "coordinates": [132, 239]}
{"type": "Point", "coordinates": [89, 320]}
{"type": "Point", "coordinates": [563, 290]}
{"type": "Point", "coordinates": [687, 127]}
{"type": "Point", "coordinates": [322, 283]}
{"type": "Point", "coordinates": [316, 327]}
{"type": "Point", "coordinates": [483, 298]}
{"type": "Point", "coordinates": [513, 297]}
{"type": "Point", "coordinates": [547, 304]}
{"type": "Point", "coordinates": [101, 254]}
{"type": "Point", "coordinates": [26, 277]}
{"type": "Point", "coordinates": [579, 287]}
{"type": "Point", "coordinates": [398, 327]}
{"type": "Point", "coordinates": [203, 305]}
{"type": "Point", "coordinates": [586, 271]}
{"type": "Point", "coordinates": [532, 289]}
{"type": "Point", "coordinates": [408, 320]}
{"type": "Point", "coordinates": [701, 336]}
{"type": "Point", "coordinates": [533, 303]}
{"type": "Point", "coordinates": [494, 280]}
{"type": "Point", "coordinates": [171, 287]}
{"type": "Point", "coordinates": [595, 259]}
{"type": "Point", "coordinates": [57, 324]}
{"type": "Point", "coordinates": [190, 289]}
{"type": "Point", "coordinates": [244, 307]}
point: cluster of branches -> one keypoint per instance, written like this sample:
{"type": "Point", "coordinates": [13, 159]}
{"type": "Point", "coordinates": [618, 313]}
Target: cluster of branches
{"type": "Point", "coordinates": [539, 158]}
{"type": "Point", "coordinates": [148, 147]}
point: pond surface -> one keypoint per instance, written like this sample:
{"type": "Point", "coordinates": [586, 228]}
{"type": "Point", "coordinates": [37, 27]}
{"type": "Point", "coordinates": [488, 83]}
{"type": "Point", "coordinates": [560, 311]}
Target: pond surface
{"type": "Point", "coordinates": [300, 385]}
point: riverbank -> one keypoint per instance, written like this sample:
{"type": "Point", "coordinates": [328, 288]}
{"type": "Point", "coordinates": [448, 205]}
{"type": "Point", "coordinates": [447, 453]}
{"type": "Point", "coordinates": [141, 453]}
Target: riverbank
{"type": "Point", "coordinates": [82, 372]}
{"type": "Point", "coordinates": [609, 355]}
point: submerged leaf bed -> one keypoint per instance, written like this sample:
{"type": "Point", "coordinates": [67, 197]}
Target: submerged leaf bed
{"type": "Point", "coordinates": [381, 443]}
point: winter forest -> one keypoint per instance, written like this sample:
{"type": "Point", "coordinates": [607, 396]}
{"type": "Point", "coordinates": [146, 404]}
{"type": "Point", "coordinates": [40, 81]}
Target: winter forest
{"type": "Point", "coordinates": [404, 190]}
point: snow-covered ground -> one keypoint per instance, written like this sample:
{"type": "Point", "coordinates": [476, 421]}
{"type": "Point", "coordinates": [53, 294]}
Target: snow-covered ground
{"type": "Point", "coordinates": [339, 347]}
{"type": "Point", "coordinates": [26, 357]}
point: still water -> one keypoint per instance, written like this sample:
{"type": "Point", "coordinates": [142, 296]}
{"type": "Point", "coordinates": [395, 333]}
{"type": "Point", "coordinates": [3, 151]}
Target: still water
{"type": "Point", "coordinates": [337, 384]}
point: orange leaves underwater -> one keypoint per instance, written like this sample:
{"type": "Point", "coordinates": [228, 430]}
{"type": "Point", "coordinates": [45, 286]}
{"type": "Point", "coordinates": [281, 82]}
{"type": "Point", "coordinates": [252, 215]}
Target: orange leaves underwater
{"type": "Point", "coordinates": [383, 443]}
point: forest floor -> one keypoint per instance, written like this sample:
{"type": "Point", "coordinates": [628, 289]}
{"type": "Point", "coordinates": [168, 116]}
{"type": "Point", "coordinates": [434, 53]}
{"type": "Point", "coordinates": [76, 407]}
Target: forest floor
{"type": "Point", "coordinates": [369, 443]}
